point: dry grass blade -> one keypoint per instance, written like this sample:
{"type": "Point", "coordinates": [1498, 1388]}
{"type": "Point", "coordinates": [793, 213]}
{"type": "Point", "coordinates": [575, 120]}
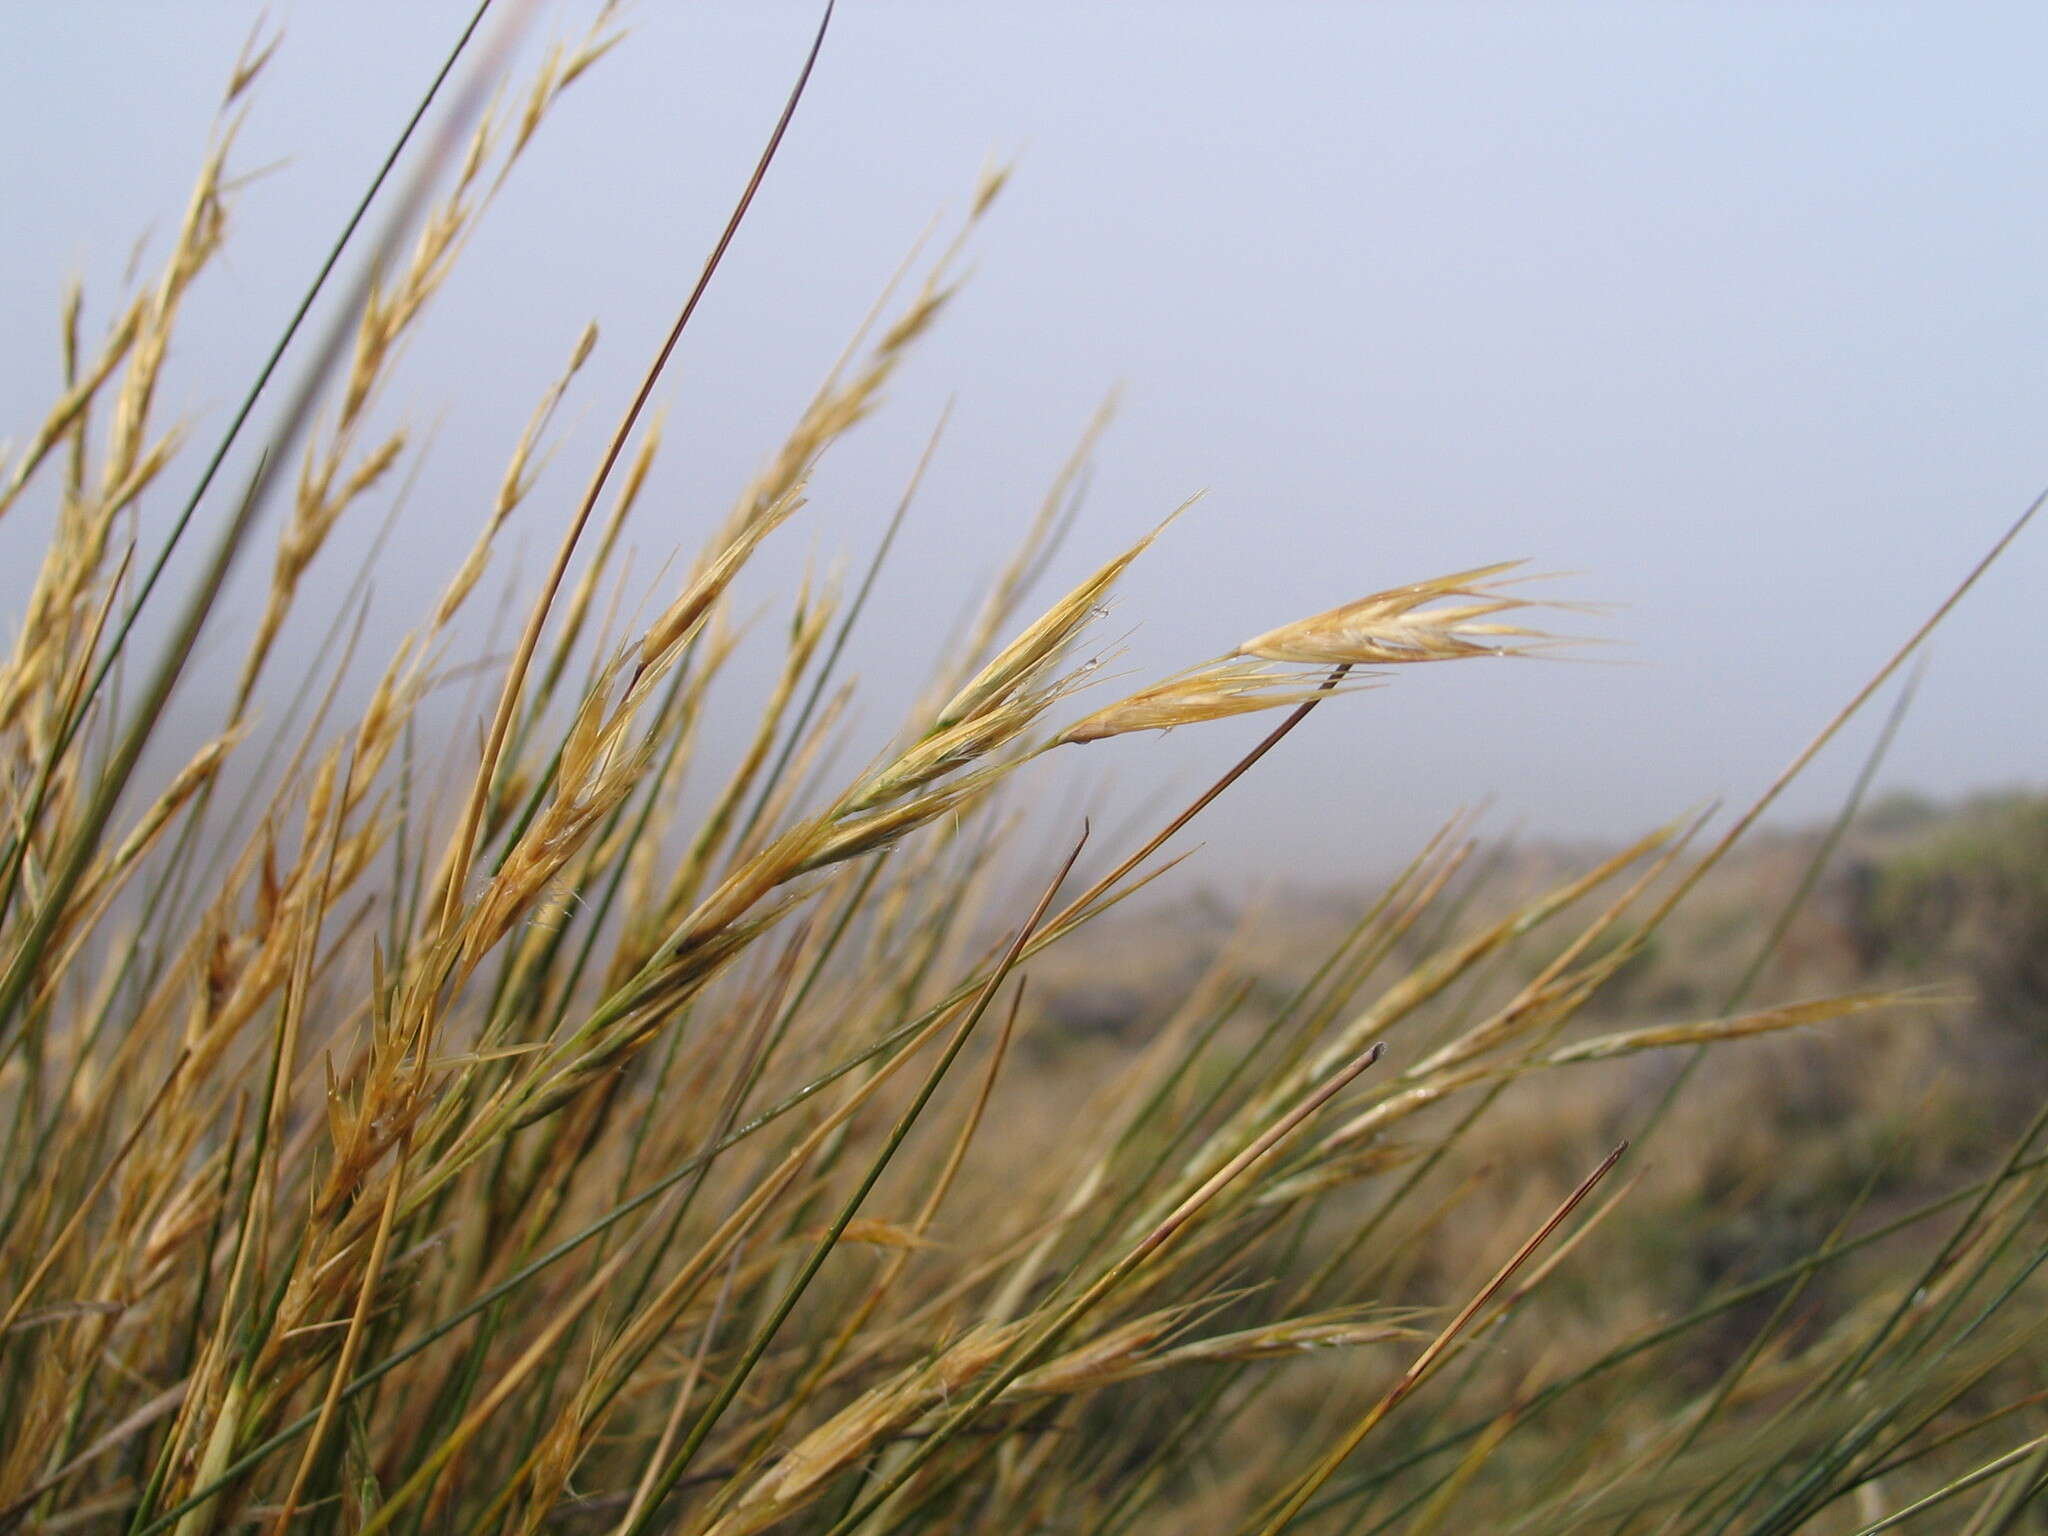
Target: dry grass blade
{"type": "Point", "coordinates": [1764, 1021]}
{"type": "Point", "coordinates": [681, 1461]}
{"type": "Point", "coordinates": [55, 1248]}
{"type": "Point", "coordinates": [1042, 1338]}
{"type": "Point", "coordinates": [1425, 1362]}
{"type": "Point", "coordinates": [529, 640]}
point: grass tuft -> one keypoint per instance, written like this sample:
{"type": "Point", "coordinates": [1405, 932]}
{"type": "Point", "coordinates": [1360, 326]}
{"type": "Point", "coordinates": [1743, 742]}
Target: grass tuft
{"type": "Point", "coordinates": [403, 1132]}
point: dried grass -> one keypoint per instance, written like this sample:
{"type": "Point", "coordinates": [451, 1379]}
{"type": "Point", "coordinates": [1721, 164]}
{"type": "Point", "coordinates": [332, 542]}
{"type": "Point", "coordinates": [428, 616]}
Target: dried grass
{"type": "Point", "coordinates": [534, 1154]}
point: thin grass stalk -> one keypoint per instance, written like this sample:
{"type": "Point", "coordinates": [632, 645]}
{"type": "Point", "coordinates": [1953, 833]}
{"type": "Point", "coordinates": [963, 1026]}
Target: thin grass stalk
{"type": "Point", "coordinates": [1041, 1341]}
{"type": "Point", "coordinates": [76, 1221]}
{"type": "Point", "coordinates": [1901, 1458]}
{"type": "Point", "coordinates": [423, 1056]}
{"type": "Point", "coordinates": [1677, 1327]}
{"type": "Point", "coordinates": [2027, 1453]}
{"type": "Point", "coordinates": [820, 1369]}
{"type": "Point", "coordinates": [1781, 1312]}
{"type": "Point", "coordinates": [529, 640]}
{"type": "Point", "coordinates": [2023, 1486]}
{"type": "Point", "coordinates": [829, 666]}
{"type": "Point", "coordinates": [1425, 1362]}
{"type": "Point", "coordinates": [680, 1462]}
{"type": "Point", "coordinates": [294, 418]}
{"type": "Point", "coordinates": [1821, 1468]}
{"type": "Point", "coordinates": [1734, 999]}
{"type": "Point", "coordinates": [75, 717]}
{"type": "Point", "coordinates": [380, 1247]}
{"type": "Point", "coordinates": [1828, 732]}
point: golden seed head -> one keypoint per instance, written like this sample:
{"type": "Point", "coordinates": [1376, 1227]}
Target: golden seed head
{"type": "Point", "coordinates": [1211, 692]}
{"type": "Point", "coordinates": [1400, 626]}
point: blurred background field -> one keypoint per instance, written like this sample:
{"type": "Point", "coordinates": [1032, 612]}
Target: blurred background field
{"type": "Point", "coordinates": [1780, 1142]}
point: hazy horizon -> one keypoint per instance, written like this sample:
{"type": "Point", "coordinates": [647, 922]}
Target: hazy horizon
{"type": "Point", "coordinates": [1728, 310]}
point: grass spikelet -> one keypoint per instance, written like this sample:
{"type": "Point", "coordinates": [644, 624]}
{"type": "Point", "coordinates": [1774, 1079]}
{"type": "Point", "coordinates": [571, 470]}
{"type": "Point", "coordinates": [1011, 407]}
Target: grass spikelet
{"type": "Point", "coordinates": [1026, 661]}
{"type": "Point", "coordinates": [1213, 692]}
{"type": "Point", "coordinates": [946, 750]}
{"type": "Point", "coordinates": [1765, 1021]}
{"type": "Point", "coordinates": [1401, 625]}
{"type": "Point", "coordinates": [861, 834]}
{"type": "Point", "coordinates": [517, 482]}
{"type": "Point", "coordinates": [1341, 1328]}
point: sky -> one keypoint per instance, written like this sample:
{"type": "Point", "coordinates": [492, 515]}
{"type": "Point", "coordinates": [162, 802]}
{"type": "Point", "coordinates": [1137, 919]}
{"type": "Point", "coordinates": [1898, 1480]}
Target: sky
{"type": "Point", "coordinates": [1732, 311]}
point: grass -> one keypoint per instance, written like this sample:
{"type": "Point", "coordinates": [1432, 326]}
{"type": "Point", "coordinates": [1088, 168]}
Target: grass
{"type": "Point", "coordinates": [406, 1134]}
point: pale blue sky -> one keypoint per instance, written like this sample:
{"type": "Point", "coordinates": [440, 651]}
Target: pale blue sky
{"type": "Point", "coordinates": [1735, 310]}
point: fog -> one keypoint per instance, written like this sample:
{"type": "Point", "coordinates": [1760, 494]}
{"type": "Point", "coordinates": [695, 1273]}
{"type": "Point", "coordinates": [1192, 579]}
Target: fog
{"type": "Point", "coordinates": [1731, 311]}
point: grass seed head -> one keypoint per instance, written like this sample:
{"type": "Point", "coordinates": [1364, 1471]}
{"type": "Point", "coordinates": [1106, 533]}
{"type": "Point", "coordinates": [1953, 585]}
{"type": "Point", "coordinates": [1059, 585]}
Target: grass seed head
{"type": "Point", "coordinates": [1401, 626]}
{"type": "Point", "coordinates": [1213, 692]}
{"type": "Point", "coordinates": [1038, 651]}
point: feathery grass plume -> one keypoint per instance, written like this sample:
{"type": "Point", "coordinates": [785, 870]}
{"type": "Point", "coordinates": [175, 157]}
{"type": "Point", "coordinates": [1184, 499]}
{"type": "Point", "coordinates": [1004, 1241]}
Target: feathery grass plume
{"type": "Point", "coordinates": [1400, 626]}
{"type": "Point", "coordinates": [1057, 509]}
{"type": "Point", "coordinates": [67, 583]}
{"type": "Point", "coordinates": [1765, 1021]}
{"type": "Point", "coordinates": [517, 482]}
{"type": "Point", "coordinates": [1123, 1353]}
{"type": "Point", "coordinates": [1212, 692]}
{"type": "Point", "coordinates": [1386, 627]}
{"type": "Point", "coordinates": [1135, 1349]}
{"type": "Point", "coordinates": [1428, 1087]}
{"type": "Point", "coordinates": [393, 310]}
{"type": "Point", "coordinates": [1018, 671]}
{"type": "Point", "coordinates": [82, 387]}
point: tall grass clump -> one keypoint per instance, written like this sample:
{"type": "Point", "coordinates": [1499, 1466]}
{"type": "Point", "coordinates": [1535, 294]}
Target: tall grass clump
{"type": "Point", "coordinates": [419, 1131]}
